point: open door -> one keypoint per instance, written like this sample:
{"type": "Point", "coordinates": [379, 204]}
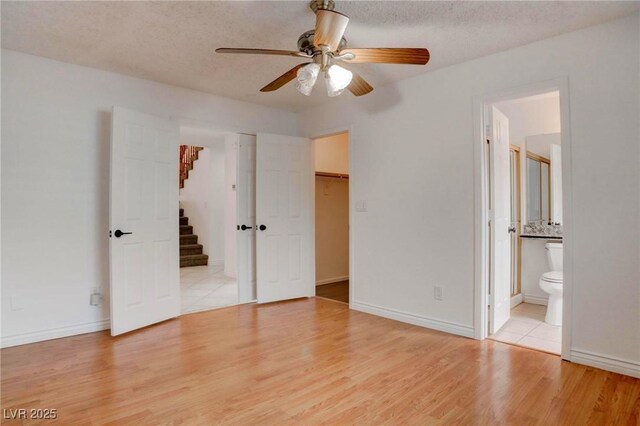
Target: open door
{"type": "Point", "coordinates": [500, 178]}
{"type": "Point", "coordinates": [143, 220]}
{"type": "Point", "coordinates": [246, 196]}
{"type": "Point", "coordinates": [285, 216]}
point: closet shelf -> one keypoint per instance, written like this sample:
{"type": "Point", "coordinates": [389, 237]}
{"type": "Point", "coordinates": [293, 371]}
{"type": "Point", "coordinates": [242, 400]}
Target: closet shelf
{"type": "Point", "coordinates": [332, 175]}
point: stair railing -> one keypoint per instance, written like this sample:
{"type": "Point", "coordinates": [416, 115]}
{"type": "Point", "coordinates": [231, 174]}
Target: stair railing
{"type": "Point", "coordinates": [188, 154]}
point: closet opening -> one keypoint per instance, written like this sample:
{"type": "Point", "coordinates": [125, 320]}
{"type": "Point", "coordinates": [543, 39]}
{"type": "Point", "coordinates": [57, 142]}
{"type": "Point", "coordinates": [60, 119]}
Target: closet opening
{"type": "Point", "coordinates": [332, 216]}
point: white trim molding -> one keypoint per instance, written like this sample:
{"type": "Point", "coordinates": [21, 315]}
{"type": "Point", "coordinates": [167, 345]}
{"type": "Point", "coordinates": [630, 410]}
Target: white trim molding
{"type": "Point", "coordinates": [54, 333]}
{"type": "Point", "coordinates": [447, 327]}
{"type": "Point", "coordinates": [332, 280]}
{"type": "Point", "coordinates": [516, 300]}
{"type": "Point", "coordinates": [609, 363]}
{"type": "Point", "coordinates": [536, 300]}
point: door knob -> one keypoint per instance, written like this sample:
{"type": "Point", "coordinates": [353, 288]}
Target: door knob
{"type": "Point", "coordinates": [245, 227]}
{"type": "Point", "coordinates": [119, 233]}
{"type": "Point", "coordinates": [262, 227]}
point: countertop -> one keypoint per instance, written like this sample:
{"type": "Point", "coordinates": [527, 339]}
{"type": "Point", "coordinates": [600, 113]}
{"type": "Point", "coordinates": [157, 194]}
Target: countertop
{"type": "Point", "coordinates": [542, 236]}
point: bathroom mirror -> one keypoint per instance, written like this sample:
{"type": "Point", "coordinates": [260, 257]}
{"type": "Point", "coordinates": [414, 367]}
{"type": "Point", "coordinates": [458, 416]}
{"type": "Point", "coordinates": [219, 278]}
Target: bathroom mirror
{"type": "Point", "coordinates": [538, 189]}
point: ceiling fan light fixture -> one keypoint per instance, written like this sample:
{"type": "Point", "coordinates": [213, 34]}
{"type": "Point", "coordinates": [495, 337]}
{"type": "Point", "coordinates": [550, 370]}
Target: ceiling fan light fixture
{"type": "Point", "coordinates": [306, 78]}
{"type": "Point", "coordinates": [337, 79]}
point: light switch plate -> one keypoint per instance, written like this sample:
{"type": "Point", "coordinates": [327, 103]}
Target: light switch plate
{"type": "Point", "coordinates": [437, 293]}
{"type": "Point", "coordinates": [361, 206]}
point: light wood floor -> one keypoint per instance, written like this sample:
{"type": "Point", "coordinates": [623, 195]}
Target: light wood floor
{"type": "Point", "coordinates": [306, 362]}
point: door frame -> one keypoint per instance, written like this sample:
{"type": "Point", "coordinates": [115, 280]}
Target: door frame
{"type": "Point", "coordinates": [225, 132]}
{"type": "Point", "coordinates": [323, 134]}
{"type": "Point", "coordinates": [481, 234]}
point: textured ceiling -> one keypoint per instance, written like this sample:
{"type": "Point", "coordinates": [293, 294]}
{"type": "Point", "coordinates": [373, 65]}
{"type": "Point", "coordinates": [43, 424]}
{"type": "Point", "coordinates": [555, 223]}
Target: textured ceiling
{"type": "Point", "coordinates": [173, 42]}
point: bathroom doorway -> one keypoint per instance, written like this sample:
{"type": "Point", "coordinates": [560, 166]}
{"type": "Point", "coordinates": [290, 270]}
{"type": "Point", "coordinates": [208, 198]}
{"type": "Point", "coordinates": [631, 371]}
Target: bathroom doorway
{"type": "Point", "coordinates": [332, 216]}
{"type": "Point", "coordinates": [523, 201]}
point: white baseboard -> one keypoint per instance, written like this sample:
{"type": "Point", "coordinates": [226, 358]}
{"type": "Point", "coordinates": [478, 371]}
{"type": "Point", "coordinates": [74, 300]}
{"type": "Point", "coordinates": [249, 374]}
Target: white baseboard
{"type": "Point", "coordinates": [447, 327]}
{"type": "Point", "coordinates": [332, 280]}
{"type": "Point", "coordinates": [516, 300]}
{"type": "Point", "coordinates": [536, 300]}
{"type": "Point", "coordinates": [617, 365]}
{"type": "Point", "coordinates": [216, 262]}
{"type": "Point", "coordinates": [54, 333]}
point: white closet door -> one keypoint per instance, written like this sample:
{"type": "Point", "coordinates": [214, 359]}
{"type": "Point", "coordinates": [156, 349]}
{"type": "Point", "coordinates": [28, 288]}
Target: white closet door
{"type": "Point", "coordinates": [500, 266]}
{"type": "Point", "coordinates": [144, 258]}
{"type": "Point", "coordinates": [246, 228]}
{"type": "Point", "coordinates": [285, 218]}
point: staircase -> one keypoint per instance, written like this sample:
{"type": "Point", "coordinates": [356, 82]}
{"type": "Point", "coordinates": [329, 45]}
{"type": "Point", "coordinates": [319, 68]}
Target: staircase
{"type": "Point", "coordinates": [190, 251]}
{"type": "Point", "coordinates": [188, 154]}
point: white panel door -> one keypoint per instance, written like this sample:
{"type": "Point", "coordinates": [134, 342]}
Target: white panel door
{"type": "Point", "coordinates": [500, 264]}
{"type": "Point", "coordinates": [285, 217]}
{"type": "Point", "coordinates": [144, 261]}
{"type": "Point", "coordinates": [246, 196]}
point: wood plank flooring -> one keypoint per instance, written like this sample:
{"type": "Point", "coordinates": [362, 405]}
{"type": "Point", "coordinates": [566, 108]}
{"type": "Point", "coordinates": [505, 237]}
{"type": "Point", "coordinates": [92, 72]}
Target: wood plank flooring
{"type": "Point", "coordinates": [335, 291]}
{"type": "Point", "coordinates": [309, 361]}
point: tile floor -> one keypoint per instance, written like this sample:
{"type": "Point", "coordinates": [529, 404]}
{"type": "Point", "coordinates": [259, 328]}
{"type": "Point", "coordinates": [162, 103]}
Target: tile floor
{"type": "Point", "coordinates": [526, 327]}
{"type": "Point", "coordinates": [206, 287]}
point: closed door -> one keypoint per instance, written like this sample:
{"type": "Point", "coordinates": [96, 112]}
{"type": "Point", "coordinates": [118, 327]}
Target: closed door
{"type": "Point", "coordinates": [285, 217]}
{"type": "Point", "coordinates": [246, 227]}
{"type": "Point", "coordinates": [144, 259]}
{"type": "Point", "coordinates": [500, 240]}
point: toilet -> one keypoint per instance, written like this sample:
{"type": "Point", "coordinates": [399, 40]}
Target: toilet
{"type": "Point", "coordinates": [551, 283]}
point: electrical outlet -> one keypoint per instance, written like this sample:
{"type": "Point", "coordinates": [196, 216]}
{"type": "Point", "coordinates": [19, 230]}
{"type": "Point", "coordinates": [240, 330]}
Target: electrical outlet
{"type": "Point", "coordinates": [96, 297]}
{"type": "Point", "coordinates": [361, 205]}
{"type": "Point", "coordinates": [437, 293]}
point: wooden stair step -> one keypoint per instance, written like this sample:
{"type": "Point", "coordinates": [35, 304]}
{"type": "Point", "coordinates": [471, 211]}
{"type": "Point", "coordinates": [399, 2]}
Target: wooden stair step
{"type": "Point", "coordinates": [181, 212]}
{"type": "Point", "coordinates": [188, 239]}
{"type": "Point", "coordinates": [194, 260]}
{"type": "Point", "coordinates": [184, 220]}
{"type": "Point", "coordinates": [186, 229]}
{"type": "Point", "coordinates": [189, 249]}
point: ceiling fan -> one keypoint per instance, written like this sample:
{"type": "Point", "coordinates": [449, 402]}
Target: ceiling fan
{"type": "Point", "coordinates": [324, 47]}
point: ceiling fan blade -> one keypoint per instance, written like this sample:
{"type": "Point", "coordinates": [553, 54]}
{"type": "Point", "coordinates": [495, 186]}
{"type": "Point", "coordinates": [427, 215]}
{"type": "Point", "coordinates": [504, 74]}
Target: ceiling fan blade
{"type": "Point", "coordinates": [415, 56]}
{"type": "Point", "coordinates": [359, 85]}
{"type": "Point", "coordinates": [283, 79]}
{"type": "Point", "coordinates": [330, 26]}
{"type": "Point", "coordinates": [262, 52]}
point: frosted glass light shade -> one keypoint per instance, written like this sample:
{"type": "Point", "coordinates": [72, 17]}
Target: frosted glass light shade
{"type": "Point", "coordinates": [337, 79]}
{"type": "Point", "coordinates": [306, 78]}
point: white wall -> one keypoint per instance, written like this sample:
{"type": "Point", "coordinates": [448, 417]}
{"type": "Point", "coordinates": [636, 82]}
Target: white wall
{"type": "Point", "coordinates": [231, 206]}
{"type": "Point", "coordinates": [55, 183]}
{"type": "Point", "coordinates": [533, 115]}
{"type": "Point", "coordinates": [216, 202]}
{"type": "Point", "coordinates": [540, 144]}
{"type": "Point", "coordinates": [413, 163]}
